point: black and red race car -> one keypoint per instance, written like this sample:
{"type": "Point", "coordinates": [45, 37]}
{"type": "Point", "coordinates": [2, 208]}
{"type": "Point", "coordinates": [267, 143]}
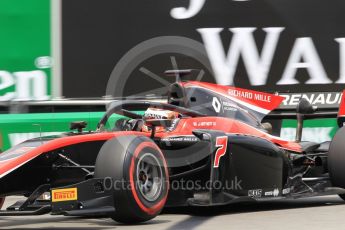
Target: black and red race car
{"type": "Point", "coordinates": [206, 146]}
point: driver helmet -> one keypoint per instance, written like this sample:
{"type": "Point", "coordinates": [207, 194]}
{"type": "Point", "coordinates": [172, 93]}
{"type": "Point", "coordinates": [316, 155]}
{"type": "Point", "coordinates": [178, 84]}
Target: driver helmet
{"type": "Point", "coordinates": [158, 114]}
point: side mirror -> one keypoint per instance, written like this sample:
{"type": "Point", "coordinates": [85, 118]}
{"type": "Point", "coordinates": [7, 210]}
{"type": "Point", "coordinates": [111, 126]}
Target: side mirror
{"type": "Point", "coordinates": [304, 107]}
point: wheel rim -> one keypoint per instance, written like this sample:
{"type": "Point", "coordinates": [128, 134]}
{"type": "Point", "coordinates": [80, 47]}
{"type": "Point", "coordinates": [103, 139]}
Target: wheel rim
{"type": "Point", "coordinates": [149, 177]}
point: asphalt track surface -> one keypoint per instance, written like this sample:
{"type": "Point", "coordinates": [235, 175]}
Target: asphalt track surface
{"type": "Point", "coordinates": [311, 213]}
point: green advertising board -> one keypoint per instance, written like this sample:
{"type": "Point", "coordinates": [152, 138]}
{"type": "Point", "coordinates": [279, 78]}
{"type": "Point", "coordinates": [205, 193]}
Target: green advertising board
{"type": "Point", "coordinates": [16, 128]}
{"type": "Point", "coordinates": [25, 62]}
{"type": "Point", "coordinates": [25, 57]}
{"type": "Point", "coordinates": [318, 130]}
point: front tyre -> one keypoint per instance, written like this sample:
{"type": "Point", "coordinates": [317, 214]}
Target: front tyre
{"type": "Point", "coordinates": [139, 176]}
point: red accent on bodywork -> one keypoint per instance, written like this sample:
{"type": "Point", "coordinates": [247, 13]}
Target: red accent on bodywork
{"type": "Point", "coordinates": [222, 144]}
{"type": "Point", "coordinates": [9, 165]}
{"type": "Point", "coordinates": [263, 100]}
{"type": "Point", "coordinates": [184, 127]}
{"type": "Point", "coordinates": [341, 111]}
{"type": "Point", "coordinates": [155, 208]}
{"type": "Point", "coordinates": [227, 125]}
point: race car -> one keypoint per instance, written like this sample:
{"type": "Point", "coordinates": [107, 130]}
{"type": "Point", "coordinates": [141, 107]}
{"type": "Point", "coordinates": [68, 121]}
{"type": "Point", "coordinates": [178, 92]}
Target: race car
{"type": "Point", "coordinates": [206, 146]}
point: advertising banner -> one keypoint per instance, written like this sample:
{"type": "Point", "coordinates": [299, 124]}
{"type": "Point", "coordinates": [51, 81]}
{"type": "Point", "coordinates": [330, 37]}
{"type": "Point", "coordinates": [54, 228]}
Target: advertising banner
{"type": "Point", "coordinates": [124, 47]}
{"type": "Point", "coordinates": [25, 65]}
{"type": "Point", "coordinates": [25, 62]}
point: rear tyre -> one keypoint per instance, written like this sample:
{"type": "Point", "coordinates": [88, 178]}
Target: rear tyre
{"type": "Point", "coordinates": [336, 160]}
{"type": "Point", "coordinates": [139, 176]}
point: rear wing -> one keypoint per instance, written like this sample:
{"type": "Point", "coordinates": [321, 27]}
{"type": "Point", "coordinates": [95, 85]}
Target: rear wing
{"type": "Point", "coordinates": [329, 105]}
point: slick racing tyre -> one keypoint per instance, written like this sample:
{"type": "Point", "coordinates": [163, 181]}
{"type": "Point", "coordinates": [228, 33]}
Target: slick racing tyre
{"type": "Point", "coordinates": [336, 160]}
{"type": "Point", "coordinates": [139, 176]}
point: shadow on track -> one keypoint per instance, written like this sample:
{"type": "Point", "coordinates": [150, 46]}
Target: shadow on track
{"type": "Point", "coordinates": [196, 216]}
{"type": "Point", "coordinates": [200, 215]}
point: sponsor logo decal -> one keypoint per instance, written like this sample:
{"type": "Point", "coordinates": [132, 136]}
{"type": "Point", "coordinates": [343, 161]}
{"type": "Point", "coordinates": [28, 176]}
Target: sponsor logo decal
{"type": "Point", "coordinates": [222, 145]}
{"type": "Point", "coordinates": [29, 85]}
{"type": "Point", "coordinates": [261, 103]}
{"type": "Point", "coordinates": [286, 191]}
{"type": "Point", "coordinates": [204, 123]}
{"type": "Point", "coordinates": [273, 193]}
{"type": "Point", "coordinates": [320, 99]}
{"type": "Point", "coordinates": [180, 139]}
{"type": "Point", "coordinates": [257, 193]}
{"type": "Point", "coordinates": [216, 104]}
{"type": "Point", "coordinates": [229, 106]}
{"type": "Point", "coordinates": [257, 96]}
{"type": "Point", "coordinates": [67, 194]}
